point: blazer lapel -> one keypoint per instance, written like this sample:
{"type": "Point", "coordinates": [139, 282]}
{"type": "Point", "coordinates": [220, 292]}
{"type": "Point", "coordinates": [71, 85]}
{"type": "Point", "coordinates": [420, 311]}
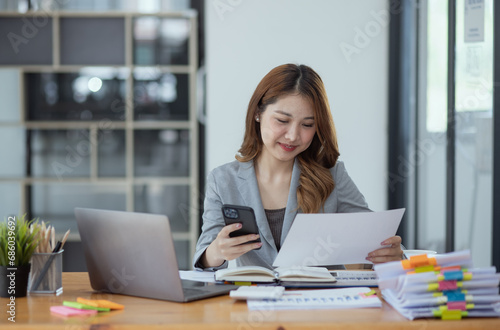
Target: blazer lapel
{"type": "Point", "coordinates": [291, 205]}
{"type": "Point", "coordinates": [249, 190]}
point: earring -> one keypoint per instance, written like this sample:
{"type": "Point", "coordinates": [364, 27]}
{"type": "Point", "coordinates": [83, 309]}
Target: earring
{"type": "Point", "coordinates": [257, 119]}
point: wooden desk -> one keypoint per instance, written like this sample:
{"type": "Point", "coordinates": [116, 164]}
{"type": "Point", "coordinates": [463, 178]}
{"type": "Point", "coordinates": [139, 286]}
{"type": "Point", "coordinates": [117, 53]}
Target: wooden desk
{"type": "Point", "coordinates": [33, 312]}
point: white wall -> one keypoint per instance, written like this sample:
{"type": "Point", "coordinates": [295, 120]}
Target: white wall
{"type": "Point", "coordinates": [246, 39]}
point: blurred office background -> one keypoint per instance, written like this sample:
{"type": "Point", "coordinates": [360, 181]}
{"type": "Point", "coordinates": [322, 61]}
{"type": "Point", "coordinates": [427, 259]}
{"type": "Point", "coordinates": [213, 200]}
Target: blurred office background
{"type": "Point", "coordinates": [128, 104]}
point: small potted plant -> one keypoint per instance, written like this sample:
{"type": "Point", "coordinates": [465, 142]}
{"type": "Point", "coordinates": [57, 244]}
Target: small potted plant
{"type": "Point", "coordinates": [18, 240]}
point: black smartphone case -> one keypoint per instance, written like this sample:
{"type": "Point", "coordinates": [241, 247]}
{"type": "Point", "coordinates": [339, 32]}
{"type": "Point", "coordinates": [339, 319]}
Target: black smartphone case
{"type": "Point", "coordinates": [241, 214]}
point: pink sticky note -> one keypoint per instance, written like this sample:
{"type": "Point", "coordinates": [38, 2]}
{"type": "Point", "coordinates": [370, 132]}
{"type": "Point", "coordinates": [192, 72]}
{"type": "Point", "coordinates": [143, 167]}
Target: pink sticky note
{"type": "Point", "coordinates": [68, 311]}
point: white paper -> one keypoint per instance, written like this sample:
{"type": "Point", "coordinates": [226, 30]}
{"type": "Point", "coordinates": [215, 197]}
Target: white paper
{"type": "Point", "coordinates": [336, 238]}
{"type": "Point", "coordinates": [318, 299]}
{"type": "Point", "coordinates": [474, 21]}
{"type": "Point", "coordinates": [196, 275]}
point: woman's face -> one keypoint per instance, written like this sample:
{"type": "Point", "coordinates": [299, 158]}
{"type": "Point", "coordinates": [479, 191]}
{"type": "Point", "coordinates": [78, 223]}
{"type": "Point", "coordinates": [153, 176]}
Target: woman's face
{"type": "Point", "coordinates": [287, 127]}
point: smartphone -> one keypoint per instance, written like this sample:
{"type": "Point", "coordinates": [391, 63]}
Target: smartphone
{"type": "Point", "coordinates": [245, 216]}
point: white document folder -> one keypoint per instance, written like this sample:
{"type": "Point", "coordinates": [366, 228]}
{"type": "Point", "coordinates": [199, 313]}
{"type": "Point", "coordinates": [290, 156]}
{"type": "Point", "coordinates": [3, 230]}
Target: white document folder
{"type": "Point", "coordinates": [323, 239]}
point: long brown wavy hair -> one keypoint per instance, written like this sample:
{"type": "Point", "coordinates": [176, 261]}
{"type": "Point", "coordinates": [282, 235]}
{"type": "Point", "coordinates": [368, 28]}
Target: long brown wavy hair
{"type": "Point", "coordinates": [315, 182]}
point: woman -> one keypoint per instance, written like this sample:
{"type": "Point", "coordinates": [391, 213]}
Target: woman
{"type": "Point", "coordinates": [286, 164]}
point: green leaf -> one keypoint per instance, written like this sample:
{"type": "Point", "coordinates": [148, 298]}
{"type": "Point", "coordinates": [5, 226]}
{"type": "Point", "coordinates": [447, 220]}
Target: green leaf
{"type": "Point", "coordinates": [26, 240]}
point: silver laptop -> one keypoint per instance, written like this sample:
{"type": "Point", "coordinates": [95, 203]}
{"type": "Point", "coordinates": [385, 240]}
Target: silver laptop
{"type": "Point", "coordinates": [133, 254]}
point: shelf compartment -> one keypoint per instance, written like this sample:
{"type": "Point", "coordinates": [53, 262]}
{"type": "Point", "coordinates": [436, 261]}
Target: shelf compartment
{"type": "Point", "coordinates": [26, 40]}
{"type": "Point", "coordinates": [161, 41]}
{"type": "Point", "coordinates": [91, 94]}
{"type": "Point", "coordinates": [160, 95]}
{"type": "Point", "coordinates": [92, 40]}
{"type": "Point", "coordinates": [161, 153]}
{"type": "Point", "coordinates": [171, 200]}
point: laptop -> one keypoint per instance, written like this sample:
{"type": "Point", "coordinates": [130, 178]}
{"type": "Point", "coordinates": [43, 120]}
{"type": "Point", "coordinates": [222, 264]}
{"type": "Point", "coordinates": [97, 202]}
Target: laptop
{"type": "Point", "coordinates": [133, 254]}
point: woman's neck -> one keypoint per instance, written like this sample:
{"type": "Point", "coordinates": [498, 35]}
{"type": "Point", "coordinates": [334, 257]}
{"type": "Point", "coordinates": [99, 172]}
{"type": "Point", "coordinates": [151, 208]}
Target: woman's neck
{"type": "Point", "coordinates": [273, 170]}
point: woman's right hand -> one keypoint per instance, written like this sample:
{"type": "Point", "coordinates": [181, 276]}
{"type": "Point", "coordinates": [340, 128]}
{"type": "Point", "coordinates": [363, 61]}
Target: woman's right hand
{"type": "Point", "coordinates": [228, 248]}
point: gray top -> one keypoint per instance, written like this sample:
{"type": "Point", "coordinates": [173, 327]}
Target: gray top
{"type": "Point", "coordinates": [275, 219]}
{"type": "Point", "coordinates": [236, 183]}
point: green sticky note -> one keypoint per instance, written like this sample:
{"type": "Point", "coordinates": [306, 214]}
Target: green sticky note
{"type": "Point", "coordinates": [78, 305]}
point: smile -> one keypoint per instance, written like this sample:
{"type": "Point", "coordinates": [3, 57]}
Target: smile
{"type": "Point", "coordinates": [287, 147]}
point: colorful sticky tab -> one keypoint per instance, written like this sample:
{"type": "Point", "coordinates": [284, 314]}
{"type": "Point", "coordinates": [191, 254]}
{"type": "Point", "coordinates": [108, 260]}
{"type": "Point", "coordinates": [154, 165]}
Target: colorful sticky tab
{"type": "Point", "coordinates": [453, 314]}
{"type": "Point", "coordinates": [441, 300]}
{"type": "Point", "coordinates": [447, 285]}
{"type": "Point", "coordinates": [100, 303]}
{"type": "Point", "coordinates": [433, 287]}
{"type": "Point", "coordinates": [453, 275]}
{"type": "Point", "coordinates": [424, 269]}
{"type": "Point", "coordinates": [467, 276]}
{"type": "Point", "coordinates": [455, 295]}
{"type": "Point", "coordinates": [418, 261]}
{"type": "Point", "coordinates": [84, 306]}
{"type": "Point", "coordinates": [451, 268]}
{"type": "Point", "coordinates": [460, 305]}
{"type": "Point", "coordinates": [370, 293]}
{"type": "Point", "coordinates": [243, 283]}
{"type": "Point", "coordinates": [68, 311]}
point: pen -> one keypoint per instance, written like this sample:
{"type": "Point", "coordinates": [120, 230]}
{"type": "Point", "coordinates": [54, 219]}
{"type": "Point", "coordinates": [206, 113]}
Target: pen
{"type": "Point", "coordinates": [57, 247]}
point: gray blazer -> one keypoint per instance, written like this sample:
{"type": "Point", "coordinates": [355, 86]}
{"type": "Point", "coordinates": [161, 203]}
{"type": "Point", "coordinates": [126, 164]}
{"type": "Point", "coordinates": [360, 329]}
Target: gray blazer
{"type": "Point", "coordinates": [235, 183]}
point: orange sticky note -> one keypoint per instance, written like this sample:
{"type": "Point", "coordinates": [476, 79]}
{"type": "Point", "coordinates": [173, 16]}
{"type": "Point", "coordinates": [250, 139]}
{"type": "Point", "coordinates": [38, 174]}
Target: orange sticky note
{"type": "Point", "coordinates": [100, 303]}
{"type": "Point", "coordinates": [87, 302]}
{"type": "Point", "coordinates": [110, 304]}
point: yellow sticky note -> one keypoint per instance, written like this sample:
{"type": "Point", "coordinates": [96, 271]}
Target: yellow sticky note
{"type": "Point", "coordinates": [371, 293]}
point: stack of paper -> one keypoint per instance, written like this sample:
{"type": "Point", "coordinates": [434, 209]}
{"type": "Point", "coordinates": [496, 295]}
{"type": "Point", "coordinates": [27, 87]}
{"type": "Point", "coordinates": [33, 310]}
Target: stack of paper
{"type": "Point", "coordinates": [445, 286]}
{"type": "Point", "coordinates": [361, 297]}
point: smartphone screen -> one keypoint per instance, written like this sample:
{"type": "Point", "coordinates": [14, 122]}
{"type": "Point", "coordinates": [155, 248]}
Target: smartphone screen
{"type": "Point", "coordinates": [245, 216]}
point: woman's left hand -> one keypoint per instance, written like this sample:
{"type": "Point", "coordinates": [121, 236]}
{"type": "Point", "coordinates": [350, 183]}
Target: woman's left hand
{"type": "Point", "coordinates": [391, 253]}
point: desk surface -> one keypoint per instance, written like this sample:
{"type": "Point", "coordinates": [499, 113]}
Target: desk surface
{"type": "Point", "coordinates": [33, 312]}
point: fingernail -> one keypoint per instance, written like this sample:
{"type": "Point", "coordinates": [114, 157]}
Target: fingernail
{"type": "Point", "coordinates": [258, 245]}
{"type": "Point", "coordinates": [368, 258]}
{"type": "Point", "coordinates": [255, 236]}
{"type": "Point", "coordinates": [383, 243]}
{"type": "Point", "coordinates": [238, 225]}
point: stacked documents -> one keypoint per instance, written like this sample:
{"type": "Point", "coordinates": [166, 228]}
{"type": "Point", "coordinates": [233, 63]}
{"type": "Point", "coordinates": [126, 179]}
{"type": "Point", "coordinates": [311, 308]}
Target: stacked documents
{"type": "Point", "coordinates": [444, 286]}
{"type": "Point", "coordinates": [361, 297]}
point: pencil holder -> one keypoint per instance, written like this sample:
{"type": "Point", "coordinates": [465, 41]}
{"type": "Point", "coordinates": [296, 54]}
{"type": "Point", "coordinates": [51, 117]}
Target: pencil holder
{"type": "Point", "coordinates": [46, 273]}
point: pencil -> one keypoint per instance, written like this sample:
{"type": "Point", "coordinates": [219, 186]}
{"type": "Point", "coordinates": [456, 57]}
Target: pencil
{"type": "Point", "coordinates": [65, 237]}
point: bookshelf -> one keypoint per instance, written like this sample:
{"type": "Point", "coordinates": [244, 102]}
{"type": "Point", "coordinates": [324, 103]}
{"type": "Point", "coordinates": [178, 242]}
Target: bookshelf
{"type": "Point", "coordinates": [100, 112]}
